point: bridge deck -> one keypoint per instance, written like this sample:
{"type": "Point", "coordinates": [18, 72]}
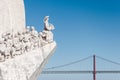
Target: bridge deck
{"type": "Point", "coordinates": [77, 72]}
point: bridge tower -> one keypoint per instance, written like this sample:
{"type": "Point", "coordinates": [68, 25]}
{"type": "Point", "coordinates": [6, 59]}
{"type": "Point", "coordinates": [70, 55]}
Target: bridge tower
{"type": "Point", "coordinates": [94, 67]}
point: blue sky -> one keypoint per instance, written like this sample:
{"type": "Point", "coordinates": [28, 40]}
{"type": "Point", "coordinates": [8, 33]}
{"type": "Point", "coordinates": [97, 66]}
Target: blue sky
{"type": "Point", "coordinates": [83, 28]}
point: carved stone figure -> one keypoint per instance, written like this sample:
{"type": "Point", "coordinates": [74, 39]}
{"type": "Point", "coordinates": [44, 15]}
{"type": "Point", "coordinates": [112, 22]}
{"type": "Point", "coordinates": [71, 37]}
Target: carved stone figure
{"type": "Point", "coordinates": [8, 44]}
{"type": "Point", "coordinates": [47, 35]}
{"type": "Point", "coordinates": [48, 26]}
{"type": "Point", "coordinates": [34, 33]}
{"type": "Point", "coordinates": [12, 45]}
{"type": "Point", "coordinates": [28, 29]}
{"type": "Point", "coordinates": [2, 51]}
{"type": "Point", "coordinates": [1, 57]}
{"type": "Point", "coordinates": [17, 48]}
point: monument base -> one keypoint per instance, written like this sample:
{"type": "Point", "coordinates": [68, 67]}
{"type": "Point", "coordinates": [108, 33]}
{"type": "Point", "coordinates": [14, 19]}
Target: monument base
{"type": "Point", "coordinates": [27, 66]}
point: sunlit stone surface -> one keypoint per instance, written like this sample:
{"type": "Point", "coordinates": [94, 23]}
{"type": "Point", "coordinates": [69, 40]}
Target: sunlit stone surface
{"type": "Point", "coordinates": [23, 50]}
{"type": "Point", "coordinates": [12, 16]}
{"type": "Point", "coordinates": [23, 67]}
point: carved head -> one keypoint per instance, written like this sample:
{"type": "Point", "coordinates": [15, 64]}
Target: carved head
{"type": "Point", "coordinates": [19, 33]}
{"type": "Point", "coordinates": [46, 18]}
{"type": "Point", "coordinates": [32, 28]}
{"type": "Point", "coordinates": [28, 29]}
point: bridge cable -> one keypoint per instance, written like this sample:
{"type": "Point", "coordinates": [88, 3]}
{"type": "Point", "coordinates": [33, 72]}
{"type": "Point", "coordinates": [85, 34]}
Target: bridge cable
{"type": "Point", "coordinates": [108, 60]}
{"type": "Point", "coordinates": [68, 64]}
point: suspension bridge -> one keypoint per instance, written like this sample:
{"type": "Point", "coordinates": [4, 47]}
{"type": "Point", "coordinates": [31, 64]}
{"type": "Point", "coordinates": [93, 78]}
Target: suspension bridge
{"type": "Point", "coordinates": [94, 71]}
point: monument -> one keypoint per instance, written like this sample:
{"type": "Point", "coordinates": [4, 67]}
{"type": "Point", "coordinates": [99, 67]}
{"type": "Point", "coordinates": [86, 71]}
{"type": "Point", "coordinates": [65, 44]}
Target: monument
{"type": "Point", "coordinates": [12, 15]}
{"type": "Point", "coordinates": [23, 50]}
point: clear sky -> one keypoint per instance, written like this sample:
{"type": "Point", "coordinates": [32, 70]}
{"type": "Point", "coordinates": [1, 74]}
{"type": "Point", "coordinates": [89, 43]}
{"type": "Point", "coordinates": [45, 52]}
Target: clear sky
{"type": "Point", "coordinates": [83, 28]}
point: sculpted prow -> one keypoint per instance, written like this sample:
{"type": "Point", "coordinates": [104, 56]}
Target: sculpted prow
{"type": "Point", "coordinates": [25, 53]}
{"type": "Point", "coordinates": [23, 50]}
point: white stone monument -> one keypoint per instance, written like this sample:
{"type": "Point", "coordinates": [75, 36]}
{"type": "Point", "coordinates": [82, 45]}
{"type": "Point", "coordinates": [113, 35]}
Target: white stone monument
{"type": "Point", "coordinates": [23, 50]}
{"type": "Point", "coordinates": [12, 16]}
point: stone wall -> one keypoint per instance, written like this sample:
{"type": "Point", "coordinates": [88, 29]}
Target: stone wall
{"type": "Point", "coordinates": [12, 16]}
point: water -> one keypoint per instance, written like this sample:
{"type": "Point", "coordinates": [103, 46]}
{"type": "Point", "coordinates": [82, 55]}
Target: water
{"type": "Point", "coordinates": [79, 77]}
